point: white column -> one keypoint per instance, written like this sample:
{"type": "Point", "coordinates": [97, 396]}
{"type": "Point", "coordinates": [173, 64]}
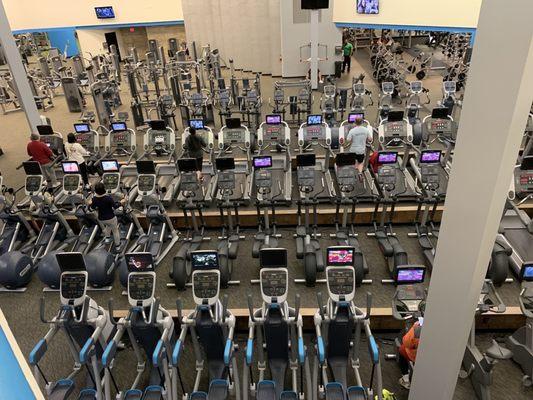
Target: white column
{"type": "Point", "coordinates": [313, 34]}
{"type": "Point", "coordinates": [489, 136]}
{"type": "Point", "coordinates": [20, 79]}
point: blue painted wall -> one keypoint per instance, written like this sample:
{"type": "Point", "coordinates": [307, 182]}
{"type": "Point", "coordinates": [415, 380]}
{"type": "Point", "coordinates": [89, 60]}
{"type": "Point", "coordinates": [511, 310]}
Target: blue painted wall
{"type": "Point", "coordinates": [61, 37]}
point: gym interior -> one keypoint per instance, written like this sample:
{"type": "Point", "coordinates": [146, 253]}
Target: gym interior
{"type": "Point", "coordinates": [271, 199]}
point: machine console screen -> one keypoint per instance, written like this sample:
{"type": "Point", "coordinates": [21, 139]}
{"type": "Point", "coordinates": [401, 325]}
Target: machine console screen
{"type": "Point", "coordinates": [146, 183]}
{"type": "Point", "coordinates": [109, 165]}
{"type": "Point", "coordinates": [416, 86]}
{"type": "Point", "coordinates": [410, 275]}
{"type": "Point", "coordinates": [196, 123]}
{"type": "Point", "coordinates": [73, 285]}
{"type": "Point", "coordinates": [344, 159]}
{"type": "Point", "coordinates": [395, 128]}
{"type": "Point", "coordinates": [314, 132]}
{"type": "Point", "coordinates": [120, 138]}
{"type": "Point", "coordinates": [234, 135]}
{"type": "Point", "coordinates": [274, 282]}
{"type": "Point", "coordinates": [527, 272]}
{"type": "Point", "coordinates": [205, 284]}
{"type": "Point", "coordinates": [262, 162]}
{"type": "Point", "coordinates": [110, 181]}
{"type": "Point", "coordinates": [305, 160]}
{"type": "Point", "coordinates": [340, 256]}
{"type": "Point", "coordinates": [439, 113]}
{"type": "Point", "coordinates": [273, 258]}
{"type": "Point", "coordinates": [341, 281]}
{"type": "Point", "coordinates": [119, 127]}
{"type": "Point", "coordinates": [70, 167]}
{"type": "Point", "coordinates": [450, 86]}
{"type": "Point", "coordinates": [187, 165]}
{"type": "Point", "coordinates": [527, 163]}
{"type": "Point", "coordinates": [352, 117]}
{"type": "Point", "coordinates": [33, 183]}
{"type": "Point", "coordinates": [141, 286]}
{"type": "Point", "coordinates": [225, 163]}
{"type": "Point", "coordinates": [440, 126]}
{"type": "Point", "coordinates": [359, 88]}
{"type": "Point", "coordinates": [272, 132]}
{"type": "Point", "coordinates": [314, 119]}
{"type": "Point", "coordinates": [274, 119]}
{"type": "Point", "coordinates": [389, 157]}
{"type": "Point", "coordinates": [526, 180]}
{"type": "Point", "coordinates": [202, 260]}
{"type": "Point", "coordinates": [82, 128]}
{"type": "Point", "coordinates": [159, 138]}
{"type": "Point", "coordinates": [139, 262]}
{"type": "Point", "coordinates": [84, 139]}
{"type": "Point", "coordinates": [71, 183]}
{"type": "Point", "coordinates": [430, 156]}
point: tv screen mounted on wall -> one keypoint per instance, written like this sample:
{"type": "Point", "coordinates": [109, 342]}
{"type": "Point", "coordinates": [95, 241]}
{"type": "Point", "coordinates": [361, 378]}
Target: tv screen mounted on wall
{"type": "Point", "coordinates": [367, 6]}
{"type": "Point", "coordinates": [104, 12]}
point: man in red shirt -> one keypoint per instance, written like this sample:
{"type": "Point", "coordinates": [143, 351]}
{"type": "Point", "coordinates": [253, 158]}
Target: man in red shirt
{"type": "Point", "coordinates": [41, 153]}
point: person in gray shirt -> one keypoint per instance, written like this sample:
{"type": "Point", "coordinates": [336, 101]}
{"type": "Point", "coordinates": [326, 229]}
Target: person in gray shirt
{"type": "Point", "coordinates": [357, 139]}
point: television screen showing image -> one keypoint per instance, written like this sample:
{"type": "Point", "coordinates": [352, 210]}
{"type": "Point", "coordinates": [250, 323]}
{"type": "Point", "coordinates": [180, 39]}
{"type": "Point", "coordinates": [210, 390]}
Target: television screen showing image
{"type": "Point", "coordinates": [367, 6]}
{"type": "Point", "coordinates": [104, 12]}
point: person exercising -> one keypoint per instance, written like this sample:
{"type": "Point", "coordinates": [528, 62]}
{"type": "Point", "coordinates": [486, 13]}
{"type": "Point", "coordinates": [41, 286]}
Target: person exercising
{"type": "Point", "coordinates": [105, 205]}
{"type": "Point", "coordinates": [347, 51]}
{"type": "Point", "coordinates": [41, 153]}
{"type": "Point", "coordinates": [408, 350]}
{"type": "Point", "coordinates": [357, 139]}
{"type": "Point", "coordinates": [195, 145]}
{"type": "Point", "coordinates": [76, 152]}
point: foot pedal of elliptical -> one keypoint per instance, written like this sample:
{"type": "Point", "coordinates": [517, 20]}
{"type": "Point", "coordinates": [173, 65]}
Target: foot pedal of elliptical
{"type": "Point", "coordinates": [288, 395]}
{"type": "Point", "coordinates": [198, 396]}
{"type": "Point", "coordinates": [266, 390]}
{"type": "Point", "coordinates": [356, 393]}
{"type": "Point", "coordinates": [218, 389]}
{"type": "Point", "coordinates": [87, 394]}
{"type": "Point", "coordinates": [62, 389]}
{"type": "Point", "coordinates": [153, 392]}
{"type": "Point", "coordinates": [335, 391]}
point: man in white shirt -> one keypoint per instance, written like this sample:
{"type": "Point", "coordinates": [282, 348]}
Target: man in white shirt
{"type": "Point", "coordinates": [357, 139]}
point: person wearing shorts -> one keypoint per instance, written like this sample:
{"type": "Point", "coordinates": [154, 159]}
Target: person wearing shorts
{"type": "Point", "coordinates": [357, 139]}
{"type": "Point", "coordinates": [195, 145]}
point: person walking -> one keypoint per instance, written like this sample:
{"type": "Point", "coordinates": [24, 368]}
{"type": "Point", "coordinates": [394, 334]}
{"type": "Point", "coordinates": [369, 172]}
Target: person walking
{"type": "Point", "coordinates": [347, 51]}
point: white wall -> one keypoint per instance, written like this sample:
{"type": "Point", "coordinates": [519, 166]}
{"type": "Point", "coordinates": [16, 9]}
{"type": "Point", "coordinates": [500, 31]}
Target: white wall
{"type": "Point", "coordinates": [90, 41]}
{"type": "Point", "coordinates": [294, 35]}
{"type": "Point", "coordinates": [30, 14]}
{"type": "Point", "coordinates": [442, 13]}
{"type": "Point", "coordinates": [247, 31]}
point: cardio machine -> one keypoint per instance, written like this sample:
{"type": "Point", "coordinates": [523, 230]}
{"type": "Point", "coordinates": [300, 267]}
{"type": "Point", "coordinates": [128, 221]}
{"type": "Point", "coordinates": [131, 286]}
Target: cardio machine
{"type": "Point", "coordinates": [276, 333]}
{"type": "Point", "coordinates": [520, 343]}
{"type": "Point", "coordinates": [307, 236]}
{"type": "Point", "coordinates": [87, 328]}
{"type": "Point", "coordinates": [160, 140]}
{"type": "Point", "coordinates": [389, 180]}
{"type": "Point", "coordinates": [338, 326]}
{"type": "Point", "coordinates": [72, 192]}
{"type": "Point", "coordinates": [150, 329]}
{"type": "Point", "coordinates": [89, 138]}
{"type": "Point", "coordinates": [211, 327]}
{"type": "Point", "coordinates": [317, 134]}
{"type": "Point", "coordinates": [476, 365]}
{"type": "Point", "coordinates": [120, 141]}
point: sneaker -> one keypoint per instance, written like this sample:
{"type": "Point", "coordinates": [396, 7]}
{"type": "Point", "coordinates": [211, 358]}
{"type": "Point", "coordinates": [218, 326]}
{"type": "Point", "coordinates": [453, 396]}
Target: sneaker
{"type": "Point", "coordinates": [404, 383]}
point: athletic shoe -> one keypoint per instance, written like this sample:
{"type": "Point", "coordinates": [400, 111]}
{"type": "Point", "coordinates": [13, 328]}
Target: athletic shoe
{"type": "Point", "coordinates": [404, 383]}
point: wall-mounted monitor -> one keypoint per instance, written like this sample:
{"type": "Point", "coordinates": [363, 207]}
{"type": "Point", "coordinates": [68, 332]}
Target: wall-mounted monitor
{"type": "Point", "coordinates": [105, 12]}
{"type": "Point", "coordinates": [367, 6]}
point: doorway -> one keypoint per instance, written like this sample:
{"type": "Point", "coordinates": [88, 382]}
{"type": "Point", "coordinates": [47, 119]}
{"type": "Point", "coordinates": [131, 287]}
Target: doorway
{"type": "Point", "coordinates": [111, 38]}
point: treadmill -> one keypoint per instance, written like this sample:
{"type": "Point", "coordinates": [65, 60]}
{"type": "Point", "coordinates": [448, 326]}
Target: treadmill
{"type": "Point", "coordinates": [274, 139]}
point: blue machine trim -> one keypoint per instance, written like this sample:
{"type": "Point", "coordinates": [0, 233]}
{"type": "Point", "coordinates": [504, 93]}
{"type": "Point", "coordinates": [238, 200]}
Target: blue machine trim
{"type": "Point", "coordinates": [249, 351]}
{"type": "Point", "coordinates": [37, 351]}
{"type": "Point", "coordinates": [374, 351]}
{"type": "Point", "coordinates": [134, 392]}
{"type": "Point", "coordinates": [321, 350]}
{"type": "Point", "coordinates": [221, 382]}
{"type": "Point", "coordinates": [103, 26]}
{"type": "Point", "coordinates": [85, 350]}
{"type": "Point", "coordinates": [87, 391]}
{"type": "Point", "coordinates": [227, 351]}
{"type": "Point", "coordinates": [198, 395]}
{"type": "Point", "coordinates": [107, 353]}
{"type": "Point", "coordinates": [266, 382]}
{"type": "Point", "coordinates": [333, 384]}
{"type": "Point", "coordinates": [176, 354]}
{"type": "Point", "coordinates": [357, 389]}
{"type": "Point", "coordinates": [301, 350]}
{"type": "Point", "coordinates": [153, 388]}
{"type": "Point", "coordinates": [157, 351]}
{"type": "Point", "coordinates": [461, 29]}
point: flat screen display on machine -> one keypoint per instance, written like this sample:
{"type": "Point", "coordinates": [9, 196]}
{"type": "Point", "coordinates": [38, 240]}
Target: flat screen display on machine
{"type": "Point", "coordinates": [262, 162]}
{"type": "Point", "coordinates": [387, 157]}
{"type": "Point", "coordinates": [139, 262]}
{"type": "Point", "coordinates": [119, 127]}
{"type": "Point", "coordinates": [225, 163]}
{"type": "Point", "coordinates": [70, 262]}
{"type": "Point", "coordinates": [273, 258]}
{"type": "Point", "coordinates": [145, 167]}
{"type": "Point", "coordinates": [70, 167]}
{"type": "Point", "coordinates": [187, 165]}
{"type": "Point", "coordinates": [430, 156]}
{"type": "Point", "coordinates": [352, 117]}
{"type": "Point", "coordinates": [439, 113]}
{"type": "Point", "coordinates": [340, 256]}
{"type": "Point", "coordinates": [395, 116]}
{"type": "Point", "coordinates": [45, 130]}
{"type": "Point", "coordinates": [527, 273]}
{"type": "Point", "coordinates": [410, 275]}
{"type": "Point", "coordinates": [157, 125]}
{"type": "Point", "coordinates": [32, 168]}
{"type": "Point", "coordinates": [305, 160]}
{"type": "Point", "coordinates": [233, 123]}
{"type": "Point", "coordinates": [196, 123]}
{"type": "Point", "coordinates": [105, 12]}
{"type": "Point", "coordinates": [344, 159]}
{"type": "Point", "coordinates": [367, 6]}
{"type": "Point", "coordinates": [204, 260]}
{"type": "Point", "coordinates": [109, 165]}
{"type": "Point", "coordinates": [273, 119]}
{"type": "Point", "coordinates": [314, 119]}
{"type": "Point", "coordinates": [82, 128]}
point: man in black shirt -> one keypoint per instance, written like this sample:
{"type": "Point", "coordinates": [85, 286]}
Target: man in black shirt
{"type": "Point", "coordinates": [104, 204]}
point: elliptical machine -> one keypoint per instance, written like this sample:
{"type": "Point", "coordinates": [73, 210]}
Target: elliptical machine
{"type": "Point", "coordinates": [477, 365]}
{"type": "Point", "coordinates": [211, 326]}
{"type": "Point", "coordinates": [150, 329]}
{"type": "Point", "coordinates": [307, 237]}
{"type": "Point", "coordinates": [338, 327]}
{"type": "Point", "coordinates": [521, 342]}
{"type": "Point", "coordinates": [278, 331]}
{"type": "Point", "coordinates": [412, 109]}
{"type": "Point", "coordinates": [86, 326]}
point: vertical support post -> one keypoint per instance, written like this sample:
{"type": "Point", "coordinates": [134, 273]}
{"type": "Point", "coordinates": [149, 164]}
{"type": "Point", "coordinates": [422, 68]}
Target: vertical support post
{"type": "Point", "coordinates": [20, 79]}
{"type": "Point", "coordinates": [478, 186]}
{"type": "Point", "coordinates": [313, 61]}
